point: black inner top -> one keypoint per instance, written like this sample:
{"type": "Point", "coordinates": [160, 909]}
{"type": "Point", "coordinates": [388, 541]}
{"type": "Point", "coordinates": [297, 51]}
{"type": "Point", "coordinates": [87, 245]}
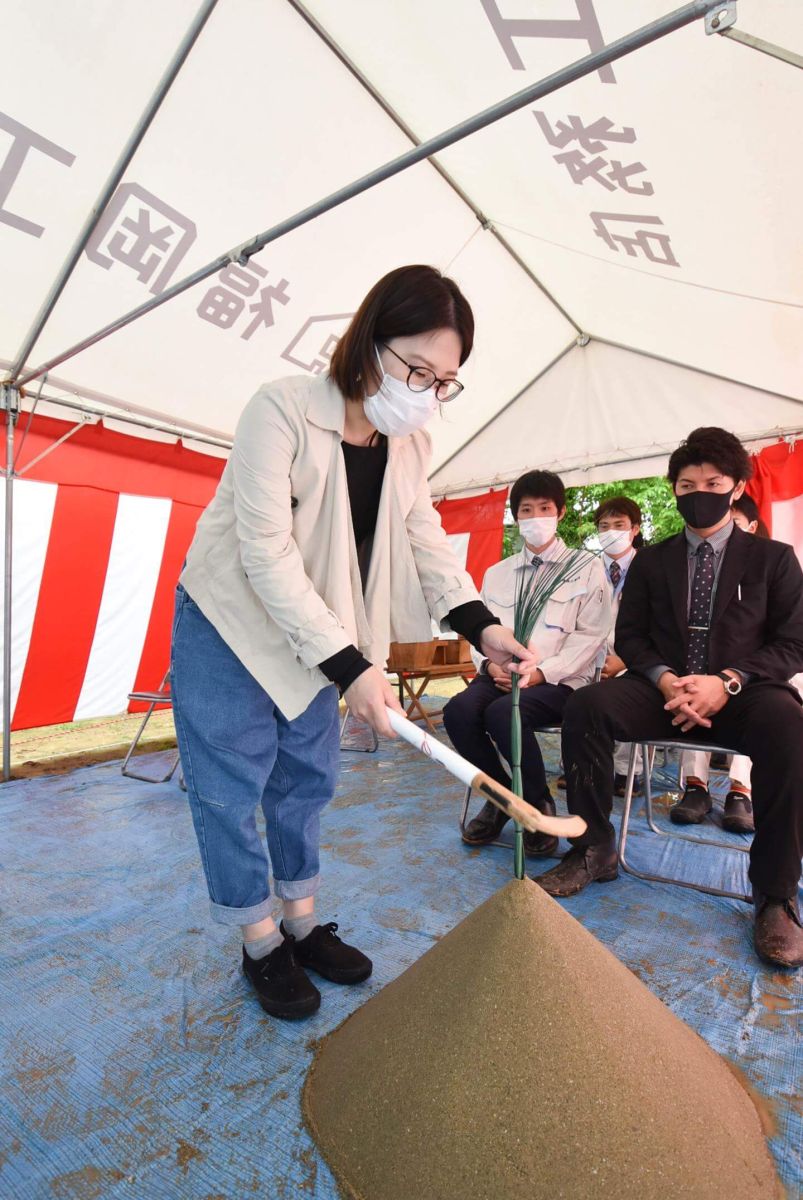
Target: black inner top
{"type": "Point", "coordinates": [365, 472]}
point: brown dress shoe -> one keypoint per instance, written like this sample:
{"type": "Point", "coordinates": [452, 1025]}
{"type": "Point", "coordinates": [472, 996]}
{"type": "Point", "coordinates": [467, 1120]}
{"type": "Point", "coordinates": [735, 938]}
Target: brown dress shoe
{"type": "Point", "coordinates": [738, 814]}
{"type": "Point", "coordinates": [486, 826]}
{"type": "Point", "coordinates": [778, 935]}
{"type": "Point", "coordinates": [581, 866]}
{"type": "Point", "coordinates": [541, 845]}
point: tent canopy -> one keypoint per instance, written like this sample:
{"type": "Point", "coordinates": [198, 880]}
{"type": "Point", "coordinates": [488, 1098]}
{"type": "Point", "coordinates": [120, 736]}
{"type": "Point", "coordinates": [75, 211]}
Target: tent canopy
{"type": "Point", "coordinates": [630, 244]}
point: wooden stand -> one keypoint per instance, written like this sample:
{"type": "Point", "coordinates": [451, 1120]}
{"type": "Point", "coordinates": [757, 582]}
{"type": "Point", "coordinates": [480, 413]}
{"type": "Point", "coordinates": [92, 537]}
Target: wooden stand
{"type": "Point", "coordinates": [417, 663]}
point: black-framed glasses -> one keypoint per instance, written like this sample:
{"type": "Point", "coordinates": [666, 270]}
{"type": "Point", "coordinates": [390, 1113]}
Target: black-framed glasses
{"type": "Point", "coordinates": [421, 379]}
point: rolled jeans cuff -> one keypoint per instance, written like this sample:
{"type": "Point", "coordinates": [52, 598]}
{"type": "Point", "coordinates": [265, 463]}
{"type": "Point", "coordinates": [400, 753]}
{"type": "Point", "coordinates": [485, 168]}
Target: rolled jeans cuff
{"type": "Point", "coordinates": [224, 915]}
{"type": "Point", "coordinates": [296, 889]}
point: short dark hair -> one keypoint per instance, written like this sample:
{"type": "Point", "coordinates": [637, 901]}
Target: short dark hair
{"type": "Point", "coordinates": [618, 506]}
{"type": "Point", "coordinates": [407, 301]}
{"type": "Point", "coordinates": [748, 507]}
{"type": "Point", "coordinates": [537, 485]}
{"type": "Point", "coordinates": [713, 445]}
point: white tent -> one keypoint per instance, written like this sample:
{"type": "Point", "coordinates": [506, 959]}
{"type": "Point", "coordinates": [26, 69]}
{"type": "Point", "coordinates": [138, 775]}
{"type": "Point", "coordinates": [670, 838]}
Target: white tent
{"type": "Point", "coordinates": [629, 239]}
{"type": "Point", "coordinates": [651, 205]}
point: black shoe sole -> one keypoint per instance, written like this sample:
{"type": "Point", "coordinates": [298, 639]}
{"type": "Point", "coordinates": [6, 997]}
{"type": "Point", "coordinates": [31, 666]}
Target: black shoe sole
{"type": "Point", "coordinates": [344, 976]}
{"type": "Point", "coordinates": [687, 818]}
{"type": "Point", "coordinates": [283, 1013]}
{"type": "Point", "coordinates": [486, 841]}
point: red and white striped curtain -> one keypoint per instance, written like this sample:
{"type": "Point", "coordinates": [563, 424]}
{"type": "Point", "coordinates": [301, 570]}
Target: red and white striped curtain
{"type": "Point", "coordinates": [100, 527]}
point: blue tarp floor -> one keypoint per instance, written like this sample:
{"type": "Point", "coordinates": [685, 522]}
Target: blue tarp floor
{"type": "Point", "coordinates": [135, 1062]}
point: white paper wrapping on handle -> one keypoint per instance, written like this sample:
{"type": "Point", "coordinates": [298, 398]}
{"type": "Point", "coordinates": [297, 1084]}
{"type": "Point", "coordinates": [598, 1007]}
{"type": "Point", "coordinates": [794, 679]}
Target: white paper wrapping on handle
{"type": "Point", "coordinates": [454, 763]}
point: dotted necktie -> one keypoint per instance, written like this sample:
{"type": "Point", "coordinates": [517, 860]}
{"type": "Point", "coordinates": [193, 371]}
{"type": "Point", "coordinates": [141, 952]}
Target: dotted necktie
{"type": "Point", "coordinates": [535, 562]}
{"type": "Point", "coordinates": [615, 573]}
{"type": "Point", "coordinates": [702, 589]}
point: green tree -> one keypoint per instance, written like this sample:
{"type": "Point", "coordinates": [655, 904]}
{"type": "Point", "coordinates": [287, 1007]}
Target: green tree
{"type": "Point", "coordinates": [653, 495]}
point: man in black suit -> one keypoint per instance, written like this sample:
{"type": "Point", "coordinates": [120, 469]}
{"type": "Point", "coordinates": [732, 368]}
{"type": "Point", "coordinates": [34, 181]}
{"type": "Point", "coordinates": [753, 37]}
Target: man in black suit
{"type": "Point", "coordinates": [710, 628]}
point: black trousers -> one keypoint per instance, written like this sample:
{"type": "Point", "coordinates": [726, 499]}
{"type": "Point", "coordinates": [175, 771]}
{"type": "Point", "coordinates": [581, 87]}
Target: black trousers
{"type": "Point", "coordinates": [765, 721]}
{"type": "Point", "coordinates": [478, 720]}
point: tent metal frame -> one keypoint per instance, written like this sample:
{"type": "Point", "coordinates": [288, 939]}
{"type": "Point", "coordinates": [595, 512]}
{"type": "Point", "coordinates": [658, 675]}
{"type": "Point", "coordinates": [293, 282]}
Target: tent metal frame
{"type": "Point", "coordinates": [583, 340]}
{"type": "Point", "coordinates": [18, 377]}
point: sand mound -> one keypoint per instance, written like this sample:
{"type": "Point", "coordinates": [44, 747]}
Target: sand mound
{"type": "Point", "coordinates": [519, 1058]}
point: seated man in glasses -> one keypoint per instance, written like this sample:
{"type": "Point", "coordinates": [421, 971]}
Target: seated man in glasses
{"type": "Point", "coordinates": [568, 635]}
{"type": "Point", "coordinates": [710, 628]}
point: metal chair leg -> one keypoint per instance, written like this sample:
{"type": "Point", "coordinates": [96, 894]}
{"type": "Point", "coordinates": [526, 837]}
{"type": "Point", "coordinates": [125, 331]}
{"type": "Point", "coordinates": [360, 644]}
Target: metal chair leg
{"type": "Point", "coordinates": [648, 875]}
{"type": "Point", "coordinates": [372, 749]}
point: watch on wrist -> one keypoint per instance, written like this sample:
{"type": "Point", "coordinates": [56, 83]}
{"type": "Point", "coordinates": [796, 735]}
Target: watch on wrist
{"type": "Point", "coordinates": [732, 685]}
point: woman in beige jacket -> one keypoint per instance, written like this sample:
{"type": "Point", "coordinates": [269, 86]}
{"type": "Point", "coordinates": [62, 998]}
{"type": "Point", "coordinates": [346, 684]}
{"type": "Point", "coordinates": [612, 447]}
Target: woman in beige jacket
{"type": "Point", "coordinates": [320, 547]}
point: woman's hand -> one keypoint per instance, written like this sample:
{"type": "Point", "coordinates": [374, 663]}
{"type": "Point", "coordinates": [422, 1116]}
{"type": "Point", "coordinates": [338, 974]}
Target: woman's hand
{"type": "Point", "coordinates": [499, 645]}
{"type": "Point", "coordinates": [367, 697]}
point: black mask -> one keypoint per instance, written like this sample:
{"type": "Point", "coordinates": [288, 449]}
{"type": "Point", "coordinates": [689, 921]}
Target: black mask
{"type": "Point", "coordinates": [702, 510]}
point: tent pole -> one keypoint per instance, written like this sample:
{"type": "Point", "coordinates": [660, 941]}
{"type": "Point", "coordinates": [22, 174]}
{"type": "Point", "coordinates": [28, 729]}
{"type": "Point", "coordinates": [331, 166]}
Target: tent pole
{"type": "Point", "coordinates": [110, 186]}
{"type": "Point", "coordinates": [124, 416]}
{"type": "Point", "coordinates": [390, 111]}
{"type": "Point", "coordinates": [9, 401]}
{"type": "Point", "coordinates": [536, 91]}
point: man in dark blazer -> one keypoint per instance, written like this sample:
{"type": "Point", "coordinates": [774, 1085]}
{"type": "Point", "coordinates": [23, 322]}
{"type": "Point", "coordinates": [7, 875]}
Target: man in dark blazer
{"type": "Point", "coordinates": [710, 628]}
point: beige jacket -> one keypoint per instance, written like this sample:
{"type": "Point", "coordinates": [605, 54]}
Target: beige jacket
{"type": "Point", "coordinates": [575, 621]}
{"type": "Point", "coordinates": [273, 564]}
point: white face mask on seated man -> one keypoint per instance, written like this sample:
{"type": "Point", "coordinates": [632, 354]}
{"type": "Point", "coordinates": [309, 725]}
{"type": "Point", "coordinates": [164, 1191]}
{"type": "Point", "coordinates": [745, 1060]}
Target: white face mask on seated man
{"type": "Point", "coordinates": [615, 541]}
{"type": "Point", "coordinates": [537, 531]}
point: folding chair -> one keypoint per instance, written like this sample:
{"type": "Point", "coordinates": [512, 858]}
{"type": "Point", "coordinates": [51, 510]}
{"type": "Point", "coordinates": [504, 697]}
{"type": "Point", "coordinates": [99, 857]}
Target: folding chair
{"type": "Point", "coordinates": [648, 749]}
{"type": "Point", "coordinates": [161, 696]}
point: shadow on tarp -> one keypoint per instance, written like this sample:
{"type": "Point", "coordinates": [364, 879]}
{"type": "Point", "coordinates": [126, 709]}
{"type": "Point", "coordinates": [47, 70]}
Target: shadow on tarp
{"type": "Point", "coordinates": [135, 1062]}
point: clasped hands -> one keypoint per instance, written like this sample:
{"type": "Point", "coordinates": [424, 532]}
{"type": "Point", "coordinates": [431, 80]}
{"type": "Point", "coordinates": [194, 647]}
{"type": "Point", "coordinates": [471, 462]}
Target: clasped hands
{"type": "Point", "coordinates": [506, 656]}
{"type": "Point", "coordinates": [692, 699]}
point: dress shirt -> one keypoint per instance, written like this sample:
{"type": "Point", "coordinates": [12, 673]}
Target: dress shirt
{"type": "Point", "coordinates": [719, 542]}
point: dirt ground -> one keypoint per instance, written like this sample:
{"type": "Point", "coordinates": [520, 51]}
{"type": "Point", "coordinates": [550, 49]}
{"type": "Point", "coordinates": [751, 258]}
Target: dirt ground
{"type": "Point", "coordinates": [54, 749]}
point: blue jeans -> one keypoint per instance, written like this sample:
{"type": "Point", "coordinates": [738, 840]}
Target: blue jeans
{"type": "Point", "coordinates": [238, 751]}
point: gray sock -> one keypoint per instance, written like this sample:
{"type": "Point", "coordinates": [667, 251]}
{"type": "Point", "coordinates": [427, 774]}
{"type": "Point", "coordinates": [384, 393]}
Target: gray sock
{"type": "Point", "coordinates": [263, 945]}
{"type": "Point", "coordinates": [300, 926]}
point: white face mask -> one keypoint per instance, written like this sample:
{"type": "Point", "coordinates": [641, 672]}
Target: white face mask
{"type": "Point", "coordinates": [615, 541]}
{"type": "Point", "coordinates": [395, 410]}
{"type": "Point", "coordinates": [537, 531]}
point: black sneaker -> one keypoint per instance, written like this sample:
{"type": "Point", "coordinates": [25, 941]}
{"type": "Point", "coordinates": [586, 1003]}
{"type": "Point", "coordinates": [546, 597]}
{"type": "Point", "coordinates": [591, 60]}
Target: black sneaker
{"type": "Point", "coordinates": [282, 986]}
{"type": "Point", "coordinates": [693, 807]}
{"type": "Point", "coordinates": [322, 951]}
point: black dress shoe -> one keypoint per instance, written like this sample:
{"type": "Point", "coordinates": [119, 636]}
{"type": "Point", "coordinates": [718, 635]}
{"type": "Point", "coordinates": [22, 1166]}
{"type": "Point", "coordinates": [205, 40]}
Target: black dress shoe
{"type": "Point", "coordinates": [778, 936]}
{"type": "Point", "coordinates": [561, 783]}
{"type": "Point", "coordinates": [620, 784]}
{"type": "Point", "coordinates": [323, 951]}
{"type": "Point", "coordinates": [718, 762]}
{"type": "Point", "coordinates": [738, 815]}
{"type": "Point", "coordinates": [541, 845]}
{"type": "Point", "coordinates": [581, 866]}
{"type": "Point", "coordinates": [282, 986]}
{"type": "Point", "coordinates": [693, 807]}
{"type": "Point", "coordinates": [486, 826]}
